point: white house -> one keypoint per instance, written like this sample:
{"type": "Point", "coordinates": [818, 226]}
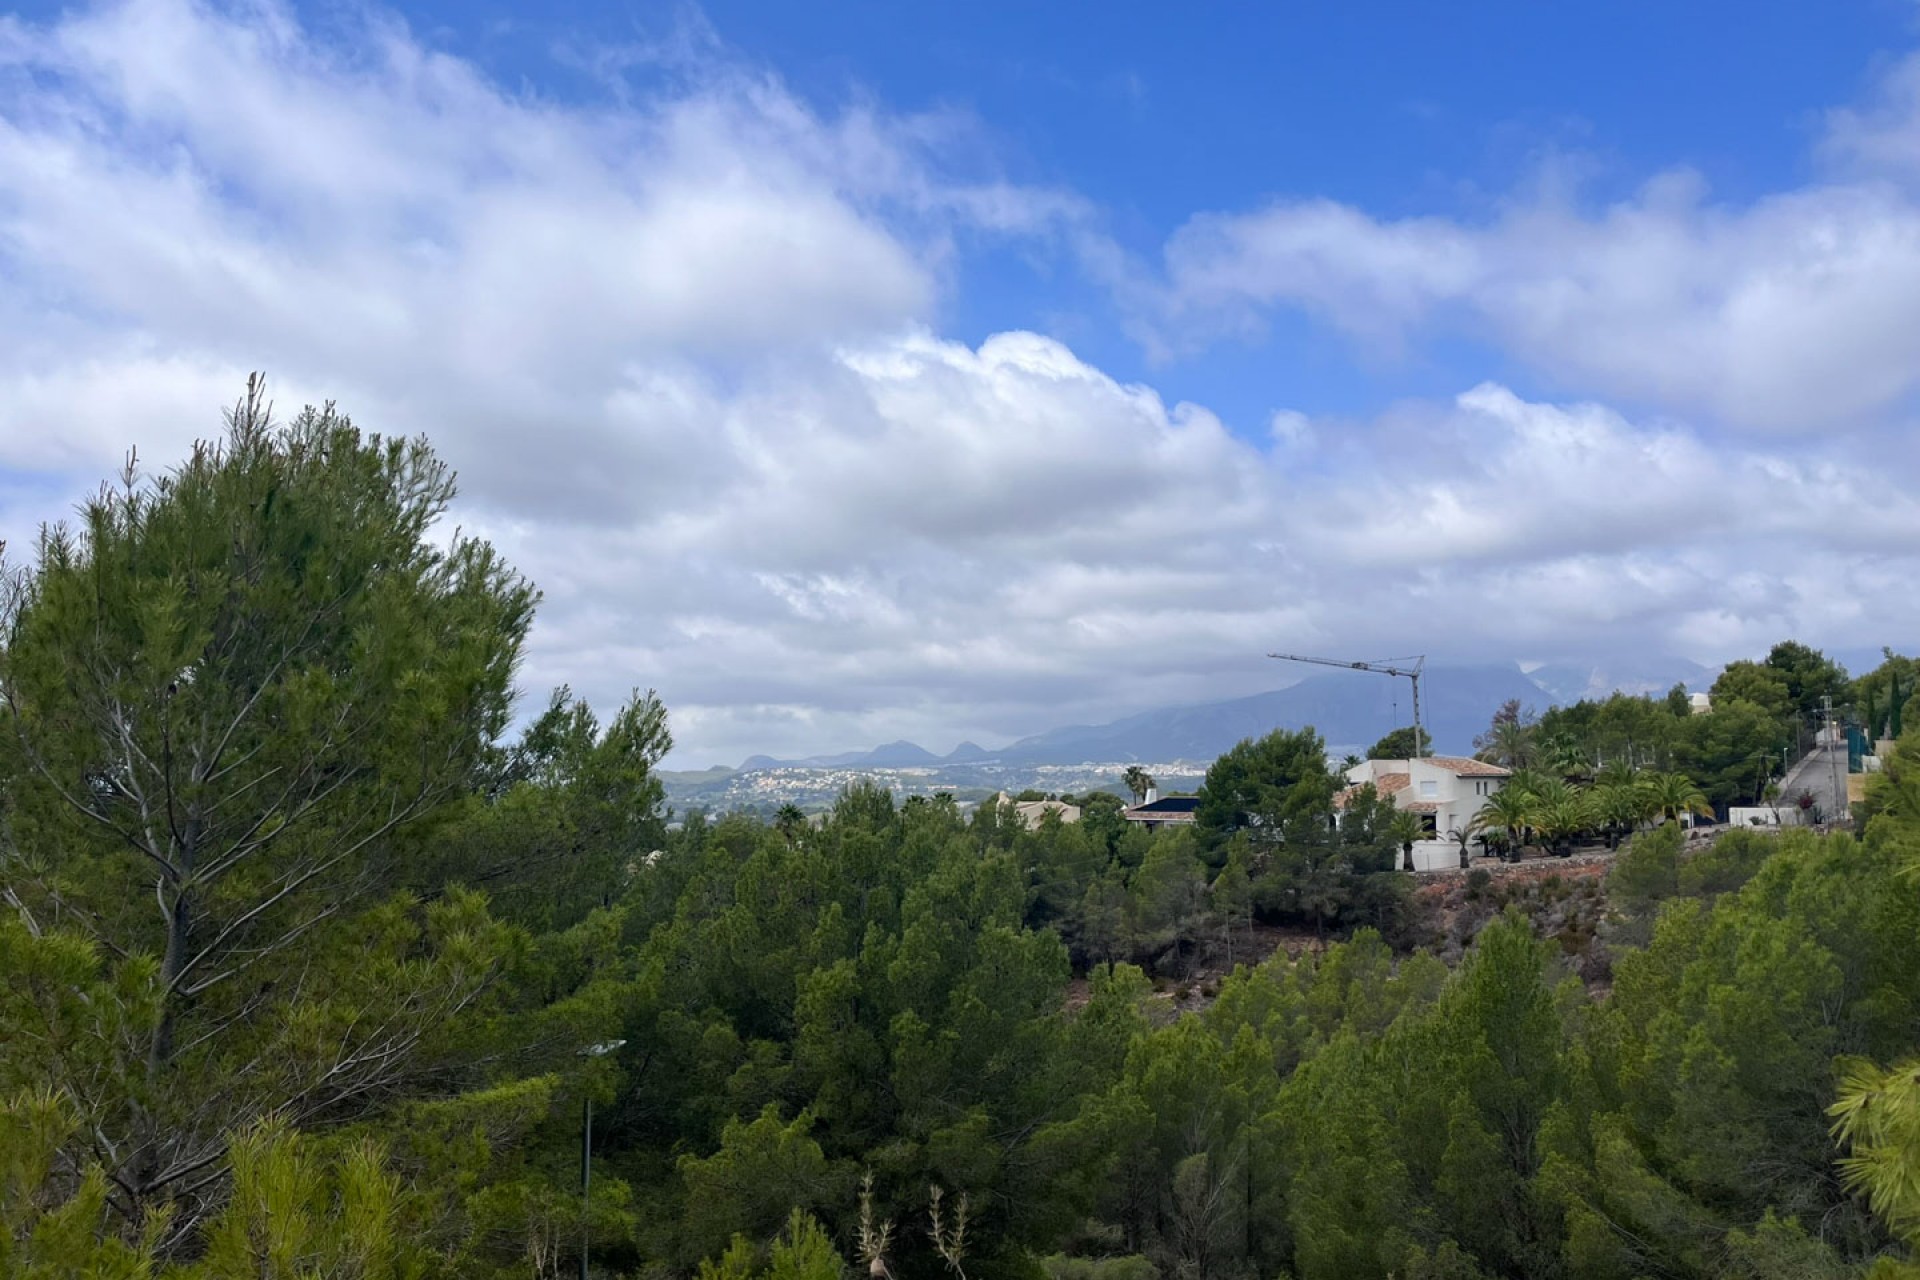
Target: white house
{"type": "Point", "coordinates": [1448, 790]}
{"type": "Point", "coordinates": [1033, 812]}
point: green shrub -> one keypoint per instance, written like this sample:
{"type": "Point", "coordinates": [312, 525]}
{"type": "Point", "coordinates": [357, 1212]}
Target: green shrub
{"type": "Point", "coordinates": [1130, 1267]}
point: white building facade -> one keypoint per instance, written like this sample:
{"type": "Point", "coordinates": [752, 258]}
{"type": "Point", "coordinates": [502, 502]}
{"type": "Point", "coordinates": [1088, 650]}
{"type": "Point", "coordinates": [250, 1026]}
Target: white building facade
{"type": "Point", "coordinates": [1449, 790]}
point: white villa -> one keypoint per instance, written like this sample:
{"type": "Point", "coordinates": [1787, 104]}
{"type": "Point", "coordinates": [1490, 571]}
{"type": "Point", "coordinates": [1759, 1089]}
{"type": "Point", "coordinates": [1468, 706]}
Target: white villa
{"type": "Point", "coordinates": [1447, 790]}
{"type": "Point", "coordinates": [1033, 812]}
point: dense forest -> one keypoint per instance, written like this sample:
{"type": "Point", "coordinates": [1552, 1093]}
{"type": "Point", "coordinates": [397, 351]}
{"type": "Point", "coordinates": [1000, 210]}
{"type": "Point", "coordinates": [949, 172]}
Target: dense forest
{"type": "Point", "coordinates": [316, 953]}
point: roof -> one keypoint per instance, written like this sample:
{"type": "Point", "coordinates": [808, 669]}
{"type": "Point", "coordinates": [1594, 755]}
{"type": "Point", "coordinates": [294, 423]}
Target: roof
{"type": "Point", "coordinates": [1045, 806]}
{"type": "Point", "coordinates": [1385, 785]}
{"type": "Point", "coordinates": [1165, 809]}
{"type": "Point", "coordinates": [1034, 812]}
{"type": "Point", "coordinates": [1422, 806]}
{"type": "Point", "coordinates": [1467, 767]}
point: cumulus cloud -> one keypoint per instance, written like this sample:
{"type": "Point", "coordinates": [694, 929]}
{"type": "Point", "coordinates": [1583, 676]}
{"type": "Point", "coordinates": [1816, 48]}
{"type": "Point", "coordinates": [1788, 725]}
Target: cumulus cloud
{"type": "Point", "coordinates": [183, 180]}
{"type": "Point", "coordinates": [683, 346]}
{"type": "Point", "coordinates": [935, 540]}
{"type": "Point", "coordinates": [1882, 136]}
{"type": "Point", "coordinates": [1793, 313]}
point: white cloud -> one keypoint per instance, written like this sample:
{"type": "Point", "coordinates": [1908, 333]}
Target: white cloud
{"type": "Point", "coordinates": [681, 347]}
{"type": "Point", "coordinates": [1881, 137]}
{"type": "Point", "coordinates": [934, 541]}
{"type": "Point", "coordinates": [253, 175]}
{"type": "Point", "coordinates": [1794, 313]}
{"type": "Point", "coordinates": [191, 188]}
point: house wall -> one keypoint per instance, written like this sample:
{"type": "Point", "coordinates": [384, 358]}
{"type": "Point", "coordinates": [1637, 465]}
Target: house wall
{"type": "Point", "coordinates": [1783, 816]}
{"type": "Point", "coordinates": [1374, 770]}
{"type": "Point", "coordinates": [1456, 799]}
{"type": "Point", "coordinates": [1034, 812]}
{"type": "Point", "coordinates": [1435, 855]}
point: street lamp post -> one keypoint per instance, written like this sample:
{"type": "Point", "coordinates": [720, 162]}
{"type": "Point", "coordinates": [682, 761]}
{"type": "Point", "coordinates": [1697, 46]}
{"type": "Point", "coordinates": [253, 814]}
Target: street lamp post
{"type": "Point", "coordinates": [1833, 762]}
{"type": "Point", "coordinates": [586, 1155]}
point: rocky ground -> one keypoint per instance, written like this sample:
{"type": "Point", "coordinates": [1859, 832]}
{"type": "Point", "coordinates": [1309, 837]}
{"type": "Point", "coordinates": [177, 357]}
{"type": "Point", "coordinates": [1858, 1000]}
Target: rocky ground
{"type": "Point", "coordinates": [1564, 897]}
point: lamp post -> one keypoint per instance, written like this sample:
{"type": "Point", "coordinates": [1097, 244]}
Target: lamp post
{"type": "Point", "coordinates": [600, 1050]}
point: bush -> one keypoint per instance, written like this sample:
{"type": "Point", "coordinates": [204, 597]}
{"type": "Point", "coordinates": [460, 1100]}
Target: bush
{"type": "Point", "coordinates": [1131, 1267]}
{"type": "Point", "coordinates": [1648, 870]}
{"type": "Point", "coordinates": [1727, 863]}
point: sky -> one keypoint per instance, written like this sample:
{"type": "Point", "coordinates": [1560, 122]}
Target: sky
{"type": "Point", "coordinates": [859, 372]}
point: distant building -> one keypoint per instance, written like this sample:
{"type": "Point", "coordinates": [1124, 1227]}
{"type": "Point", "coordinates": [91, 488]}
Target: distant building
{"type": "Point", "coordinates": [1034, 812]}
{"type": "Point", "coordinates": [1699, 703]}
{"type": "Point", "coordinates": [1163, 811]}
{"type": "Point", "coordinates": [1446, 790]}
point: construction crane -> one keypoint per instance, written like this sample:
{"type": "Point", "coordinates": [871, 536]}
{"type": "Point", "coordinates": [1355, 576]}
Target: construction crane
{"type": "Point", "coordinates": [1382, 668]}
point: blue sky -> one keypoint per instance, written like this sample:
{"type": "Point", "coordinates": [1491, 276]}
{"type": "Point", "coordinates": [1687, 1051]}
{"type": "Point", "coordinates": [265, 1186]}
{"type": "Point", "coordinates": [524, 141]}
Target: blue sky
{"type": "Point", "coordinates": [849, 378]}
{"type": "Point", "coordinates": [1152, 113]}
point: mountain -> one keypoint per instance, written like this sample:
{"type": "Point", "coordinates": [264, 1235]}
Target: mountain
{"type": "Point", "coordinates": [1859, 660]}
{"type": "Point", "coordinates": [891, 755]}
{"type": "Point", "coordinates": [695, 777]}
{"type": "Point", "coordinates": [1351, 710]}
{"type": "Point", "coordinates": [1567, 682]}
{"type": "Point", "coordinates": [900, 755]}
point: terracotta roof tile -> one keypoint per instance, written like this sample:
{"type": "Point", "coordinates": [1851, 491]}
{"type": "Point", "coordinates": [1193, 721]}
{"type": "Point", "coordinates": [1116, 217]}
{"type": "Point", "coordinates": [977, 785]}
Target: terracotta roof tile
{"type": "Point", "coordinates": [1385, 785]}
{"type": "Point", "coordinates": [1466, 767]}
{"type": "Point", "coordinates": [1422, 806]}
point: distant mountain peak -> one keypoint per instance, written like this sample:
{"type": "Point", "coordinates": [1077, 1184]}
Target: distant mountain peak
{"type": "Point", "coordinates": [1349, 709]}
{"type": "Point", "coordinates": [1569, 682]}
{"type": "Point", "coordinates": [892, 755]}
{"type": "Point", "coordinates": [900, 753]}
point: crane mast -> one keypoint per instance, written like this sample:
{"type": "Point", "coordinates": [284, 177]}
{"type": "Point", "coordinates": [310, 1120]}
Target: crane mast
{"type": "Point", "coordinates": [1382, 668]}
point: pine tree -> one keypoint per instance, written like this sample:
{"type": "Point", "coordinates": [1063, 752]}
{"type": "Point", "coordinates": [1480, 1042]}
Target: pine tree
{"type": "Point", "coordinates": [228, 696]}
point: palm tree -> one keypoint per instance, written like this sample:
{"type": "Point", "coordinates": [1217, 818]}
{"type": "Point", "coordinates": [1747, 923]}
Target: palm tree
{"type": "Point", "coordinates": [1618, 806]}
{"type": "Point", "coordinates": [1138, 781]}
{"type": "Point", "coordinates": [1463, 840]}
{"type": "Point", "coordinates": [1562, 756]}
{"type": "Point", "coordinates": [1563, 816]}
{"type": "Point", "coordinates": [1509, 743]}
{"type": "Point", "coordinates": [1617, 773]}
{"type": "Point", "coordinates": [1508, 810]}
{"type": "Point", "coordinates": [1403, 830]}
{"type": "Point", "coordinates": [1672, 794]}
{"type": "Point", "coordinates": [1548, 791]}
{"type": "Point", "coordinates": [1529, 782]}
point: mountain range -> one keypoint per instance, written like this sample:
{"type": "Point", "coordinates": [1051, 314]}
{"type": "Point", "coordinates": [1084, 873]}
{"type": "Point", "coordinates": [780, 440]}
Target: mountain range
{"type": "Point", "coordinates": [1350, 709]}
